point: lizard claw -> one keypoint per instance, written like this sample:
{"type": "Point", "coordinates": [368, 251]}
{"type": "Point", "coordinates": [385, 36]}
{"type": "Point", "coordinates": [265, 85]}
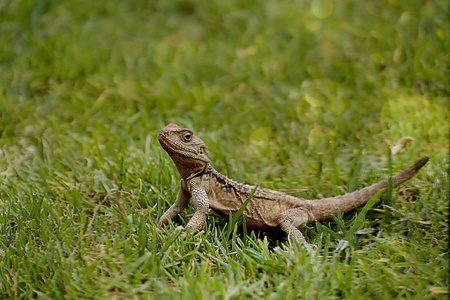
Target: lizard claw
{"type": "Point", "coordinates": [310, 249]}
{"type": "Point", "coordinates": [183, 235]}
{"type": "Point", "coordinates": [161, 223]}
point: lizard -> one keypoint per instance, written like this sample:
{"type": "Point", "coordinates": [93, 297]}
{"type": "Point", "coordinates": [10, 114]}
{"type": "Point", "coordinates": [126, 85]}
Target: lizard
{"type": "Point", "coordinates": [267, 209]}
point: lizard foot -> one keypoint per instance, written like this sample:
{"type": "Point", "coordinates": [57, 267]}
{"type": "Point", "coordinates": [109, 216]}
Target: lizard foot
{"type": "Point", "coordinates": [289, 221]}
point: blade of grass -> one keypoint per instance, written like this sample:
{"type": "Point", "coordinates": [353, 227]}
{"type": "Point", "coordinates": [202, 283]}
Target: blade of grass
{"type": "Point", "coordinates": [387, 212]}
{"type": "Point", "coordinates": [237, 215]}
{"type": "Point", "coordinates": [358, 222]}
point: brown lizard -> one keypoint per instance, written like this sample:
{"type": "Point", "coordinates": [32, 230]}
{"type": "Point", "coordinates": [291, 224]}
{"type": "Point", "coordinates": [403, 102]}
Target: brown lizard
{"type": "Point", "coordinates": [267, 209]}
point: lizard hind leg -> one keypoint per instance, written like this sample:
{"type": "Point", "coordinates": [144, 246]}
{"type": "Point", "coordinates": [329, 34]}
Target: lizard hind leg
{"type": "Point", "coordinates": [289, 221]}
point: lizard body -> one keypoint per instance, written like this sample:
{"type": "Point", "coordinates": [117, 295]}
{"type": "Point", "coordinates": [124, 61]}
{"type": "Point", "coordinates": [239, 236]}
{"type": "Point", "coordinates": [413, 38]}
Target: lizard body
{"type": "Point", "coordinates": [268, 209]}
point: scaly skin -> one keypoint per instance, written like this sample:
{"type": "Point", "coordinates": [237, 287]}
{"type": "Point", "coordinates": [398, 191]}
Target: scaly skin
{"type": "Point", "coordinates": [267, 209]}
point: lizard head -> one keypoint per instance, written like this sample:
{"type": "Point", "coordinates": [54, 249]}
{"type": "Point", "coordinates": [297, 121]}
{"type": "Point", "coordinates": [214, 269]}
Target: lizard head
{"type": "Point", "coordinates": [188, 152]}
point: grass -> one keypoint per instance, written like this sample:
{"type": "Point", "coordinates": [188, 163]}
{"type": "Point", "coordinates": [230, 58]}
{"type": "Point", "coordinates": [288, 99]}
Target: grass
{"type": "Point", "coordinates": [287, 94]}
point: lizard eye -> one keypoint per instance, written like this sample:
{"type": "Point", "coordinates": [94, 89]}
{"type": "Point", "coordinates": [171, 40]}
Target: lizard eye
{"type": "Point", "coordinates": [187, 136]}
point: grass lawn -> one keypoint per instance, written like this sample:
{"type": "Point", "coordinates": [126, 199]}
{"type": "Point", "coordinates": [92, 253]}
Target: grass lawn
{"type": "Point", "coordinates": [287, 94]}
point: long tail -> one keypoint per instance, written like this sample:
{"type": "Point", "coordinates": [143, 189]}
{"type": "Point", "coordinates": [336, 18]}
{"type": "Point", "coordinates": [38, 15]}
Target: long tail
{"type": "Point", "coordinates": [324, 209]}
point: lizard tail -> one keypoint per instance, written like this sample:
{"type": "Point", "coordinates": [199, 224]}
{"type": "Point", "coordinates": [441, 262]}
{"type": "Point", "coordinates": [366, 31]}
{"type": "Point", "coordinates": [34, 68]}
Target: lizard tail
{"type": "Point", "coordinates": [325, 208]}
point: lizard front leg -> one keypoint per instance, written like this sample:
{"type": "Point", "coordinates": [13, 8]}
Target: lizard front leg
{"type": "Point", "coordinates": [180, 203]}
{"type": "Point", "coordinates": [201, 205]}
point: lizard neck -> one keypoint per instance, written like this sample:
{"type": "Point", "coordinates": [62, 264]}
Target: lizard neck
{"type": "Point", "coordinates": [191, 175]}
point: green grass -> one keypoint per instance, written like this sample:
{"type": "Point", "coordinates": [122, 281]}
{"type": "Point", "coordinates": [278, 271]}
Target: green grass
{"type": "Point", "coordinates": [283, 98]}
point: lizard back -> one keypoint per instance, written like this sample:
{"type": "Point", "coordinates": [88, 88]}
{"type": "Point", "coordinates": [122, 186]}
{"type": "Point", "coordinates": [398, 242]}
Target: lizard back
{"type": "Point", "coordinates": [227, 195]}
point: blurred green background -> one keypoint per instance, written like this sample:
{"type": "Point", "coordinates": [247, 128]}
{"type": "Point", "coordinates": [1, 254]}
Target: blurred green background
{"type": "Point", "coordinates": [281, 91]}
